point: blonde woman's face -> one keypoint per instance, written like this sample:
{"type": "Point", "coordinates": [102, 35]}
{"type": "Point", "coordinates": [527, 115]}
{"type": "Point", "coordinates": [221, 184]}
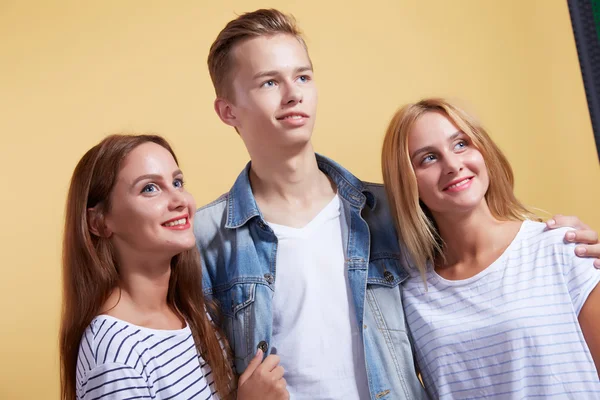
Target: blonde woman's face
{"type": "Point", "coordinates": [451, 174]}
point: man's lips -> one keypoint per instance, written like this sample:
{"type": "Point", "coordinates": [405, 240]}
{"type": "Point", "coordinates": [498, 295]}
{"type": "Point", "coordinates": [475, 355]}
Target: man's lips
{"type": "Point", "coordinates": [292, 115]}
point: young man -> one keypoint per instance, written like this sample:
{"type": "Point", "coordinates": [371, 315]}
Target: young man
{"type": "Point", "coordinates": [301, 255]}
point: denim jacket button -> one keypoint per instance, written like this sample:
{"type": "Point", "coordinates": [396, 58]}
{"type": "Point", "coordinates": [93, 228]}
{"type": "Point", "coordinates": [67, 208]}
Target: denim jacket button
{"type": "Point", "coordinates": [388, 276]}
{"type": "Point", "coordinates": [269, 278]}
{"type": "Point", "coordinates": [263, 346]}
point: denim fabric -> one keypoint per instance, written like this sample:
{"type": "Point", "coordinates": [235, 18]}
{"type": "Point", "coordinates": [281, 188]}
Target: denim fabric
{"type": "Point", "coordinates": [238, 251]}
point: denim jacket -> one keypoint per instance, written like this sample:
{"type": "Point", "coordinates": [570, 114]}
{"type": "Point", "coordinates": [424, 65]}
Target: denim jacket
{"type": "Point", "coordinates": [238, 251]}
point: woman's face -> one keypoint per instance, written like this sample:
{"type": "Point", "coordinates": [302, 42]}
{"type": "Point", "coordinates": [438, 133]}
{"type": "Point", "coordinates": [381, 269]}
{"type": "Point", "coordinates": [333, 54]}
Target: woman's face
{"type": "Point", "coordinates": [151, 212]}
{"type": "Point", "coordinates": [451, 174]}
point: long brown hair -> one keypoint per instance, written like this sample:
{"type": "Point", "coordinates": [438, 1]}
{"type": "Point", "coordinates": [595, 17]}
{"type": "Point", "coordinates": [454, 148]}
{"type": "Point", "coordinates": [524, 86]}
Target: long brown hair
{"type": "Point", "coordinates": [415, 225]}
{"type": "Point", "coordinates": [90, 270]}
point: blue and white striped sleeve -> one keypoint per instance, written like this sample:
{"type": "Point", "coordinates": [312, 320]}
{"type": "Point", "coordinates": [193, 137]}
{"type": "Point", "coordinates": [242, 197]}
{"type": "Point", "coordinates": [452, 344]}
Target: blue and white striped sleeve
{"type": "Point", "coordinates": [580, 276]}
{"type": "Point", "coordinates": [115, 382]}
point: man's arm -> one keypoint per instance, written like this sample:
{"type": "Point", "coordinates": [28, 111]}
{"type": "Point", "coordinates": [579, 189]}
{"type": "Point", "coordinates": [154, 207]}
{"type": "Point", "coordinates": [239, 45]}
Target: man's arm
{"type": "Point", "coordinates": [583, 235]}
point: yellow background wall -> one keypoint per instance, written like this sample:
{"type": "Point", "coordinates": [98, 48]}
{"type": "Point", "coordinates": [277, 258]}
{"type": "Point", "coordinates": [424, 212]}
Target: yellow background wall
{"type": "Point", "coordinates": [73, 71]}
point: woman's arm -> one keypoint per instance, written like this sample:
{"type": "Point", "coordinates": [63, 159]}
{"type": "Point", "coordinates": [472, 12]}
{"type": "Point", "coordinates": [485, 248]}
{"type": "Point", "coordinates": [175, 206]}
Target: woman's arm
{"type": "Point", "coordinates": [589, 319]}
{"type": "Point", "coordinates": [114, 381]}
{"type": "Point", "coordinates": [583, 285]}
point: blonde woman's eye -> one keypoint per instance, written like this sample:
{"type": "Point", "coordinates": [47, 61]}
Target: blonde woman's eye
{"type": "Point", "coordinates": [428, 158]}
{"type": "Point", "coordinates": [461, 145]}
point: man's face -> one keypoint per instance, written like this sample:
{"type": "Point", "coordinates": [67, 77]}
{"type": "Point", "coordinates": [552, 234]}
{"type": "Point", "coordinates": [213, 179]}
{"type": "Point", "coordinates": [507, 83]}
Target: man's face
{"type": "Point", "coordinates": [274, 95]}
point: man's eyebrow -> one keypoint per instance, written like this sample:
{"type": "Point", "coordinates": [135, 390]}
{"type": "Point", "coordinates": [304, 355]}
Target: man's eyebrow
{"type": "Point", "coordinates": [270, 73]}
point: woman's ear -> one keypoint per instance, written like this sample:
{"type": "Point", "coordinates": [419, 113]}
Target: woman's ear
{"type": "Point", "coordinates": [96, 223]}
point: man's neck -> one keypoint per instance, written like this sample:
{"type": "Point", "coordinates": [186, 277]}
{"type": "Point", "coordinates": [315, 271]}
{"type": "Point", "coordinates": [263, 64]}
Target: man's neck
{"type": "Point", "coordinates": [290, 189]}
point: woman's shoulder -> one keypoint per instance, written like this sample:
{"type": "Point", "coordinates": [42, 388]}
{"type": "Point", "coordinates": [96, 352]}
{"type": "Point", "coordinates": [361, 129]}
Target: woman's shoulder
{"type": "Point", "coordinates": [111, 340]}
{"type": "Point", "coordinates": [95, 347]}
{"type": "Point", "coordinates": [534, 233]}
{"type": "Point", "coordinates": [537, 242]}
{"type": "Point", "coordinates": [101, 321]}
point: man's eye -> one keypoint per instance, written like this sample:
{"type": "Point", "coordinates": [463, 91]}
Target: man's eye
{"type": "Point", "coordinates": [269, 83]}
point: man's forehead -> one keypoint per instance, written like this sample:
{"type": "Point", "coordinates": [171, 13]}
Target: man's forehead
{"type": "Point", "coordinates": [269, 53]}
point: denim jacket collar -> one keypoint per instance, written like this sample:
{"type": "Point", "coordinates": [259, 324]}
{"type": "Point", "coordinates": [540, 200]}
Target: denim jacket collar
{"type": "Point", "coordinates": [241, 204]}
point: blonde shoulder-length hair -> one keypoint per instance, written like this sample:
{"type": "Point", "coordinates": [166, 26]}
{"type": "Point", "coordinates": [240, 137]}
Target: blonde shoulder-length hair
{"type": "Point", "coordinates": [416, 228]}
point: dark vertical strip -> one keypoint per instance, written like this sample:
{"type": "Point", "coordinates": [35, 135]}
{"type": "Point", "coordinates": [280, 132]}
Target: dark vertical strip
{"type": "Point", "coordinates": [585, 20]}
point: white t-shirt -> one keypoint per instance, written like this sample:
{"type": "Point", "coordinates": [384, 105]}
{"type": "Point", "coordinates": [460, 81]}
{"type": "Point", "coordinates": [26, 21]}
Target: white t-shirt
{"type": "Point", "coordinates": [511, 331]}
{"type": "Point", "coordinates": [118, 360]}
{"type": "Point", "coordinates": [315, 331]}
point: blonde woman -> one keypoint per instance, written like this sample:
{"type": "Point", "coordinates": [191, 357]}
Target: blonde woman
{"type": "Point", "coordinates": [497, 305]}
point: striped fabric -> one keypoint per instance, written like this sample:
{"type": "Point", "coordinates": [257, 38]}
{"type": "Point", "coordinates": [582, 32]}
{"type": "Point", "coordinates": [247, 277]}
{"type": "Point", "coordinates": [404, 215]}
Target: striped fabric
{"type": "Point", "coordinates": [511, 331]}
{"type": "Point", "coordinates": [118, 360]}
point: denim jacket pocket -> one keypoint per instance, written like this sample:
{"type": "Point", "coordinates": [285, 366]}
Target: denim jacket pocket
{"type": "Point", "coordinates": [386, 270]}
{"type": "Point", "coordinates": [384, 291]}
{"type": "Point", "coordinates": [236, 302]}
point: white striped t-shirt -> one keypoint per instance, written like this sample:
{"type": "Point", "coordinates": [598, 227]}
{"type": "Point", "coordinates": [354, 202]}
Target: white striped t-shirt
{"type": "Point", "coordinates": [511, 331]}
{"type": "Point", "coordinates": [118, 360]}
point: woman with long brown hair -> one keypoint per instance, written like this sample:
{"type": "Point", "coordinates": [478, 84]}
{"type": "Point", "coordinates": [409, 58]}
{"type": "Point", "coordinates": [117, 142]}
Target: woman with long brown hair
{"type": "Point", "coordinates": [497, 305]}
{"type": "Point", "coordinates": [135, 322]}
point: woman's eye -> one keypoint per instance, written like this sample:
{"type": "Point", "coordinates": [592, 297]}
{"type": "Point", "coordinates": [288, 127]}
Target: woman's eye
{"type": "Point", "coordinates": [461, 145]}
{"type": "Point", "coordinates": [150, 188]}
{"type": "Point", "coordinates": [428, 158]}
{"type": "Point", "coordinates": [178, 183]}
{"type": "Point", "coordinates": [304, 78]}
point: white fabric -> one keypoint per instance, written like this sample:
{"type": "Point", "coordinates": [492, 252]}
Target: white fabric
{"type": "Point", "coordinates": [314, 323]}
{"type": "Point", "coordinates": [511, 331]}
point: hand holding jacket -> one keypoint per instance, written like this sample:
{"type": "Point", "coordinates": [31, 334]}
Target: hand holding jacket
{"type": "Point", "coordinates": [263, 380]}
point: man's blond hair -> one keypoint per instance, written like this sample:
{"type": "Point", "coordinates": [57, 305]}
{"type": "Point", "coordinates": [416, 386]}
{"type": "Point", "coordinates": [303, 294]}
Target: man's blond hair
{"type": "Point", "coordinates": [263, 22]}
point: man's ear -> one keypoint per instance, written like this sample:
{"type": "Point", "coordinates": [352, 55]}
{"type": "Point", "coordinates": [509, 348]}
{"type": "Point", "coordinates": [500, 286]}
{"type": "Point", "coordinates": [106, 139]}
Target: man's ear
{"type": "Point", "coordinates": [96, 223]}
{"type": "Point", "coordinates": [225, 111]}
